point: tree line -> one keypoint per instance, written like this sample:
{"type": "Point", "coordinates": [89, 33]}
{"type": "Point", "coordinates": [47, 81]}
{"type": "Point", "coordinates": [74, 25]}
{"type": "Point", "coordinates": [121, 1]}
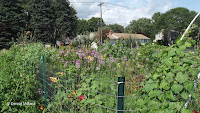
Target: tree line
{"type": "Point", "coordinates": [45, 20]}
{"type": "Point", "coordinates": [51, 20]}
{"type": "Point", "coordinates": [176, 19]}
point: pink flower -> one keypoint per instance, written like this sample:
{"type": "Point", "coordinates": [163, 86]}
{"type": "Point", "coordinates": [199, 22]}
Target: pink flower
{"type": "Point", "coordinates": [194, 111]}
{"type": "Point", "coordinates": [93, 51]}
{"type": "Point", "coordinates": [87, 52]}
{"type": "Point", "coordinates": [81, 97]}
{"type": "Point", "coordinates": [78, 61]}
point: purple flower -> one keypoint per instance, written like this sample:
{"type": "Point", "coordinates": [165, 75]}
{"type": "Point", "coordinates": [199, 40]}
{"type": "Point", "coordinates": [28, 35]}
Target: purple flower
{"type": "Point", "coordinates": [112, 59]}
{"type": "Point", "coordinates": [78, 61]}
{"type": "Point", "coordinates": [62, 51]}
{"type": "Point", "coordinates": [87, 52]}
{"type": "Point", "coordinates": [102, 62]}
{"type": "Point", "coordinates": [93, 51]}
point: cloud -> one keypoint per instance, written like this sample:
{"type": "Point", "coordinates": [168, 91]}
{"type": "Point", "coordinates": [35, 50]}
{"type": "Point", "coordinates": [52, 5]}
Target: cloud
{"type": "Point", "coordinates": [120, 11]}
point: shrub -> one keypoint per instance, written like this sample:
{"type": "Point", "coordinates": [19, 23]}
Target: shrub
{"type": "Point", "coordinates": [19, 77]}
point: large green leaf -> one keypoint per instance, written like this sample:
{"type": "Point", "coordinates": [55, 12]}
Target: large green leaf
{"type": "Point", "coordinates": [185, 110]}
{"type": "Point", "coordinates": [177, 88]}
{"type": "Point", "coordinates": [181, 78]}
{"type": "Point", "coordinates": [171, 52]}
{"type": "Point", "coordinates": [148, 87]}
{"type": "Point", "coordinates": [164, 85]}
{"type": "Point", "coordinates": [170, 77]}
{"type": "Point", "coordinates": [156, 75]}
{"type": "Point", "coordinates": [184, 95]}
{"type": "Point", "coordinates": [153, 103]}
{"type": "Point", "coordinates": [170, 96]}
{"type": "Point", "coordinates": [188, 85]}
{"type": "Point", "coordinates": [161, 97]}
{"type": "Point", "coordinates": [194, 95]}
{"type": "Point", "coordinates": [154, 93]}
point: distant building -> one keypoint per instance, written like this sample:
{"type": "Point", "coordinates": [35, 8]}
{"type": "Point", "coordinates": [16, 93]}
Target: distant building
{"type": "Point", "coordinates": [159, 36]}
{"type": "Point", "coordinates": [170, 37]}
{"type": "Point", "coordinates": [139, 37]}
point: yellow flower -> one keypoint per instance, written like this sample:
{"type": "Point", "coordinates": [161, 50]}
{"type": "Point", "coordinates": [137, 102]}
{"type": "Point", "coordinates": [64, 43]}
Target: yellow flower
{"type": "Point", "coordinates": [123, 38]}
{"type": "Point", "coordinates": [118, 65]}
{"type": "Point", "coordinates": [89, 57]}
{"type": "Point", "coordinates": [63, 48]}
{"type": "Point", "coordinates": [53, 79]}
{"type": "Point", "coordinates": [103, 56]}
{"type": "Point", "coordinates": [70, 44]}
{"type": "Point", "coordinates": [71, 96]}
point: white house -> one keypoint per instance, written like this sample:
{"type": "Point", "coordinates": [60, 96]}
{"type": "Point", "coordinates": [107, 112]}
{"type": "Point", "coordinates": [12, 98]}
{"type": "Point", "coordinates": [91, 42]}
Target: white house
{"type": "Point", "coordinates": [170, 36]}
{"type": "Point", "coordinates": [159, 36]}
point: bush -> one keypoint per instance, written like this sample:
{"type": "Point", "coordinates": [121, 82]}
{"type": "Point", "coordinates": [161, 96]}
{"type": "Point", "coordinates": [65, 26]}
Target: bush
{"type": "Point", "coordinates": [19, 77]}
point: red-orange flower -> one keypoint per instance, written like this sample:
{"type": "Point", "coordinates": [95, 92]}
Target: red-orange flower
{"type": "Point", "coordinates": [81, 97]}
{"type": "Point", "coordinates": [41, 108]}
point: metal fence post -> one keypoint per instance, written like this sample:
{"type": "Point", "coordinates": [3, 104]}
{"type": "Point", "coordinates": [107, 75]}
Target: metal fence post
{"type": "Point", "coordinates": [120, 95]}
{"type": "Point", "coordinates": [44, 81]}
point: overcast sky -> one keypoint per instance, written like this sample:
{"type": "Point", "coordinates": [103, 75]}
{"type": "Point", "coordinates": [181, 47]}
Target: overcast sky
{"type": "Point", "coordinates": [124, 11]}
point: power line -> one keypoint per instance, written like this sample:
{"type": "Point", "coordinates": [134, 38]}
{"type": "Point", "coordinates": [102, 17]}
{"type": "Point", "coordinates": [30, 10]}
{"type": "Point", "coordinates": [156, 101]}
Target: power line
{"type": "Point", "coordinates": [84, 2]}
{"type": "Point", "coordinates": [115, 5]}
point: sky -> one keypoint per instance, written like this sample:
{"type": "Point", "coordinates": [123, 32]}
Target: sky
{"type": "Point", "coordinates": [124, 11]}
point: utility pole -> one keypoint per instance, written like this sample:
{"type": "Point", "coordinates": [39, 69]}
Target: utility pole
{"type": "Point", "coordinates": [101, 3]}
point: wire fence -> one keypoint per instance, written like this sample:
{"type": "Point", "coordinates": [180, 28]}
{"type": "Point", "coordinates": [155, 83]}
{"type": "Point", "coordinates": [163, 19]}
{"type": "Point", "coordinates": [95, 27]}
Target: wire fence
{"type": "Point", "coordinates": [66, 91]}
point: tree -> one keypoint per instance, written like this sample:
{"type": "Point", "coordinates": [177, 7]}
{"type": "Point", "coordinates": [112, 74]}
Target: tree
{"type": "Point", "coordinates": [65, 19]}
{"type": "Point", "coordinates": [177, 19]}
{"type": "Point", "coordinates": [104, 34]}
{"type": "Point", "coordinates": [42, 22]}
{"type": "Point", "coordinates": [116, 28]}
{"type": "Point", "coordinates": [157, 22]}
{"type": "Point", "coordinates": [93, 24]}
{"type": "Point", "coordinates": [141, 26]}
{"type": "Point", "coordinates": [82, 26]}
{"type": "Point", "coordinates": [11, 22]}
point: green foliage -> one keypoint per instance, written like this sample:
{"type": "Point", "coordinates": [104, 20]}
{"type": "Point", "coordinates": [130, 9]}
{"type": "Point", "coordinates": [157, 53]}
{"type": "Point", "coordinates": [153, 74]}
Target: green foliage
{"type": "Point", "coordinates": [42, 22]}
{"type": "Point", "coordinates": [130, 42]}
{"type": "Point", "coordinates": [116, 28]}
{"type": "Point", "coordinates": [19, 79]}
{"type": "Point", "coordinates": [65, 19]}
{"type": "Point", "coordinates": [48, 21]}
{"type": "Point", "coordinates": [94, 23]}
{"type": "Point", "coordinates": [176, 79]}
{"type": "Point", "coordinates": [158, 78]}
{"type": "Point", "coordinates": [182, 19]}
{"type": "Point", "coordinates": [82, 26]}
{"type": "Point", "coordinates": [84, 40]}
{"type": "Point", "coordinates": [141, 26]}
{"type": "Point", "coordinates": [12, 21]}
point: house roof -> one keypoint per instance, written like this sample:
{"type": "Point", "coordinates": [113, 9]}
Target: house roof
{"type": "Point", "coordinates": [127, 35]}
